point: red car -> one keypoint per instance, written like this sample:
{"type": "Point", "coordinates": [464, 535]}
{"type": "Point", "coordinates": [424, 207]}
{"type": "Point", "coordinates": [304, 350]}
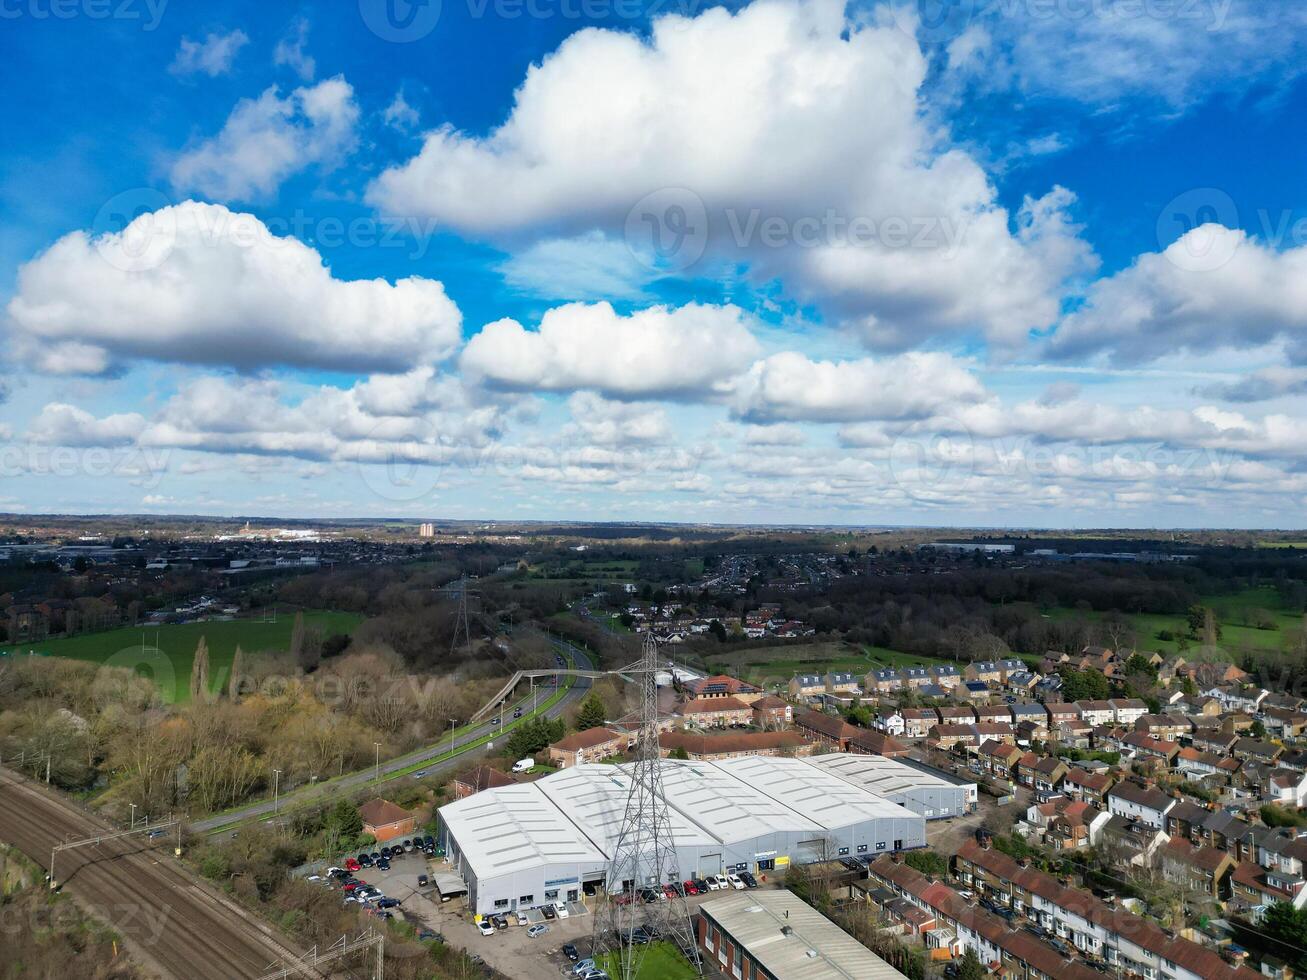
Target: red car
{"type": "Point", "coordinates": [351, 865]}
{"type": "Point", "coordinates": [689, 888]}
{"type": "Point", "coordinates": [349, 886]}
{"type": "Point", "coordinates": [670, 891]}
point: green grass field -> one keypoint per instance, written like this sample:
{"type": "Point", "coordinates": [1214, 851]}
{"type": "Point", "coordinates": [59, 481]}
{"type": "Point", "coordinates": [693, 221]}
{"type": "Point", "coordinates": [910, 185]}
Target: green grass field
{"type": "Point", "coordinates": [1231, 613]}
{"type": "Point", "coordinates": [166, 653]}
{"type": "Point", "coordinates": [661, 961]}
{"type": "Point", "coordinates": [772, 665]}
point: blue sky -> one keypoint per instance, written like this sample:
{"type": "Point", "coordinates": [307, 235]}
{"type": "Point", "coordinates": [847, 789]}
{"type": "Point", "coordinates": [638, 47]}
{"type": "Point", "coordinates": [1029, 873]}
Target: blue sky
{"type": "Point", "coordinates": [1033, 262]}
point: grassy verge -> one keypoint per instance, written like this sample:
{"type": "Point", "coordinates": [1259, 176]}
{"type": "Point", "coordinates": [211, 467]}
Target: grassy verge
{"type": "Point", "coordinates": [661, 961]}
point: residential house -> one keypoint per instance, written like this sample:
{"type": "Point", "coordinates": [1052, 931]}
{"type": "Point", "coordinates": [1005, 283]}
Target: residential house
{"type": "Point", "coordinates": [946, 676]}
{"type": "Point", "coordinates": [915, 678]}
{"type": "Point", "coordinates": [826, 730]}
{"type": "Point", "coordinates": [1021, 682]}
{"type": "Point", "coordinates": [1032, 713]}
{"type": "Point", "coordinates": [385, 820]}
{"type": "Point", "coordinates": [716, 712]}
{"type": "Point", "coordinates": [886, 680]}
{"type": "Point", "coordinates": [1091, 787]}
{"type": "Point", "coordinates": [1285, 786]}
{"type": "Point", "coordinates": [1234, 698]}
{"type": "Point", "coordinates": [1186, 819]}
{"type": "Point", "coordinates": [1172, 727]}
{"type": "Point", "coordinates": [1284, 722]}
{"type": "Point", "coordinates": [1257, 751]}
{"type": "Point", "coordinates": [478, 778]}
{"type": "Point", "coordinates": [1141, 803]}
{"type": "Point", "coordinates": [1200, 765]}
{"type": "Point", "coordinates": [999, 759]}
{"type": "Point", "coordinates": [722, 686]}
{"type": "Point", "coordinates": [984, 672]}
{"type": "Point", "coordinates": [1128, 710]}
{"type": "Point", "coordinates": [1059, 712]}
{"type": "Point", "coordinates": [1129, 944]}
{"type": "Point", "coordinates": [1142, 746]}
{"type": "Point", "coordinates": [977, 692]}
{"type": "Point", "coordinates": [1064, 823]}
{"type": "Point", "coordinates": [1214, 741]}
{"type": "Point", "coordinates": [1130, 842]}
{"type": "Point", "coordinates": [932, 692]}
{"type": "Point", "coordinates": [771, 713]}
{"type": "Point", "coordinates": [1096, 713]}
{"type": "Point", "coordinates": [956, 714]}
{"type": "Point", "coordinates": [1043, 774]}
{"type": "Point", "coordinates": [842, 682]}
{"type": "Point", "coordinates": [734, 744]}
{"type": "Point", "coordinates": [891, 723]}
{"type": "Point", "coordinates": [1254, 888]}
{"type": "Point", "coordinates": [867, 741]}
{"type": "Point", "coordinates": [804, 687]}
{"type": "Point", "coordinates": [591, 745]}
{"type": "Point", "coordinates": [1202, 870]}
{"type": "Point", "coordinates": [917, 722]}
{"type": "Point", "coordinates": [994, 712]}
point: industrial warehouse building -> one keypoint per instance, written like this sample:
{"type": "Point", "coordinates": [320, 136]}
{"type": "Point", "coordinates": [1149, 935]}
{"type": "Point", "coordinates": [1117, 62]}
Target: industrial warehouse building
{"type": "Point", "coordinates": [522, 846]}
{"type": "Point", "coordinates": [922, 789]}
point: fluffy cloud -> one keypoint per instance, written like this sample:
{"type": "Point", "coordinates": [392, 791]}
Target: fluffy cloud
{"type": "Point", "coordinates": [266, 140]}
{"type": "Point", "coordinates": [60, 424]}
{"type": "Point", "coordinates": [292, 51]}
{"type": "Point", "coordinates": [687, 352]}
{"type": "Point", "coordinates": [213, 56]}
{"type": "Point", "coordinates": [1109, 53]}
{"type": "Point", "coordinates": [861, 204]}
{"type": "Point", "coordinates": [197, 283]}
{"type": "Point", "coordinates": [609, 423]}
{"type": "Point", "coordinates": [1213, 288]}
{"type": "Point", "coordinates": [790, 386]}
{"type": "Point", "coordinates": [1273, 382]}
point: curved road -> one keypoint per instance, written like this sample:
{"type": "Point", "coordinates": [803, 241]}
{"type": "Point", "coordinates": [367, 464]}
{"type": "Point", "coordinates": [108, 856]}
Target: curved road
{"type": "Point", "coordinates": [463, 745]}
{"type": "Point", "coordinates": [173, 922]}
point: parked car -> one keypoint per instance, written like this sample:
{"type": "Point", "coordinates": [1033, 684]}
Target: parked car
{"type": "Point", "coordinates": [561, 909]}
{"type": "Point", "coordinates": [582, 966]}
{"type": "Point", "coordinates": [365, 860]}
{"type": "Point", "coordinates": [539, 929]}
{"type": "Point", "coordinates": [390, 903]}
{"type": "Point", "coordinates": [570, 952]}
{"type": "Point", "coordinates": [486, 927]}
{"type": "Point", "coordinates": [690, 887]}
{"type": "Point", "coordinates": [749, 880]}
{"type": "Point", "coordinates": [736, 881]}
{"type": "Point", "coordinates": [521, 918]}
{"type": "Point", "coordinates": [701, 884]}
{"type": "Point", "coordinates": [383, 865]}
{"type": "Point", "coordinates": [351, 865]}
{"type": "Point", "coordinates": [549, 912]}
{"type": "Point", "coordinates": [423, 881]}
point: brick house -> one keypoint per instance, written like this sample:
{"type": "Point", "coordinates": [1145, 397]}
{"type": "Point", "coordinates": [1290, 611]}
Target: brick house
{"type": "Point", "coordinates": [1204, 870]}
{"type": "Point", "coordinates": [716, 712]}
{"type": "Point", "coordinates": [591, 745]}
{"type": "Point", "coordinates": [478, 778]}
{"type": "Point", "coordinates": [771, 713]}
{"type": "Point", "coordinates": [734, 744]}
{"type": "Point", "coordinates": [386, 821]}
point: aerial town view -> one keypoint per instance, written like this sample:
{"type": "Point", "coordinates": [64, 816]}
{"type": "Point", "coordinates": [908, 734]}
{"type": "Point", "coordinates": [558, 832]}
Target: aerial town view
{"type": "Point", "coordinates": [644, 490]}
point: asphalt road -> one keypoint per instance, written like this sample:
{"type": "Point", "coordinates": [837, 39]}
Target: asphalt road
{"type": "Point", "coordinates": [176, 923]}
{"type": "Point", "coordinates": [363, 777]}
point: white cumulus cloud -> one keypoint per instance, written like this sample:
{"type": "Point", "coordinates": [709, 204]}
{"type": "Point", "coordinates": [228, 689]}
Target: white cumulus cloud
{"type": "Point", "coordinates": [266, 140]}
{"type": "Point", "coordinates": [213, 56]}
{"type": "Point", "coordinates": [219, 288]}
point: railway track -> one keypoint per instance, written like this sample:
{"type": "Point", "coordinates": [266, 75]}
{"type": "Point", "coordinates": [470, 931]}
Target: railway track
{"type": "Point", "coordinates": [179, 925]}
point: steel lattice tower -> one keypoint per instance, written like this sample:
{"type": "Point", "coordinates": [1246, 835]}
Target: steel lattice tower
{"type": "Point", "coordinates": [645, 853]}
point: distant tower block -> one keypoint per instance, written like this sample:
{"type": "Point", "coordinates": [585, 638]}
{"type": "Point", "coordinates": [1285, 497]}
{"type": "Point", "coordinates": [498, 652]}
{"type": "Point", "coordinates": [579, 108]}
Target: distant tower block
{"type": "Point", "coordinates": [426, 531]}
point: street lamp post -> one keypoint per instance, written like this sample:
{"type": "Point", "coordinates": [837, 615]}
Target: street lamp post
{"type": "Point", "coordinates": [133, 806]}
{"type": "Point", "coordinates": [276, 789]}
{"type": "Point", "coordinates": [376, 777]}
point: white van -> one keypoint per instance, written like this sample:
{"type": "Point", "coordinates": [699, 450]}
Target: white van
{"type": "Point", "coordinates": [524, 765]}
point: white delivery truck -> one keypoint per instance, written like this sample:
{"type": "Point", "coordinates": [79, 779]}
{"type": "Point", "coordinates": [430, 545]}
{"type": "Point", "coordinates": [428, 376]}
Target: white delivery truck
{"type": "Point", "coordinates": [524, 765]}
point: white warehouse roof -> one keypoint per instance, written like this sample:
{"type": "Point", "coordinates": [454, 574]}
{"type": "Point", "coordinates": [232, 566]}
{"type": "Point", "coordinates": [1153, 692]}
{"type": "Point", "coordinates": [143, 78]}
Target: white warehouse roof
{"type": "Point", "coordinates": [879, 774]}
{"type": "Point", "coordinates": [514, 828]}
{"type": "Point", "coordinates": [825, 799]}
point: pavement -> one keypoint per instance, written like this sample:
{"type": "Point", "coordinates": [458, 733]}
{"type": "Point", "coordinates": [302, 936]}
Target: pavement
{"type": "Point", "coordinates": [176, 924]}
{"type": "Point", "coordinates": [464, 744]}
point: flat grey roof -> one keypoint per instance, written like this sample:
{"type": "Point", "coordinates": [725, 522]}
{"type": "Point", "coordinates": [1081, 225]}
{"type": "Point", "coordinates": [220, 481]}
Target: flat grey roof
{"type": "Point", "coordinates": [813, 948]}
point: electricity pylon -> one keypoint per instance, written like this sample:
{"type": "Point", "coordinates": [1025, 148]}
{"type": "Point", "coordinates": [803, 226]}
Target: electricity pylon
{"type": "Point", "coordinates": [644, 856]}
